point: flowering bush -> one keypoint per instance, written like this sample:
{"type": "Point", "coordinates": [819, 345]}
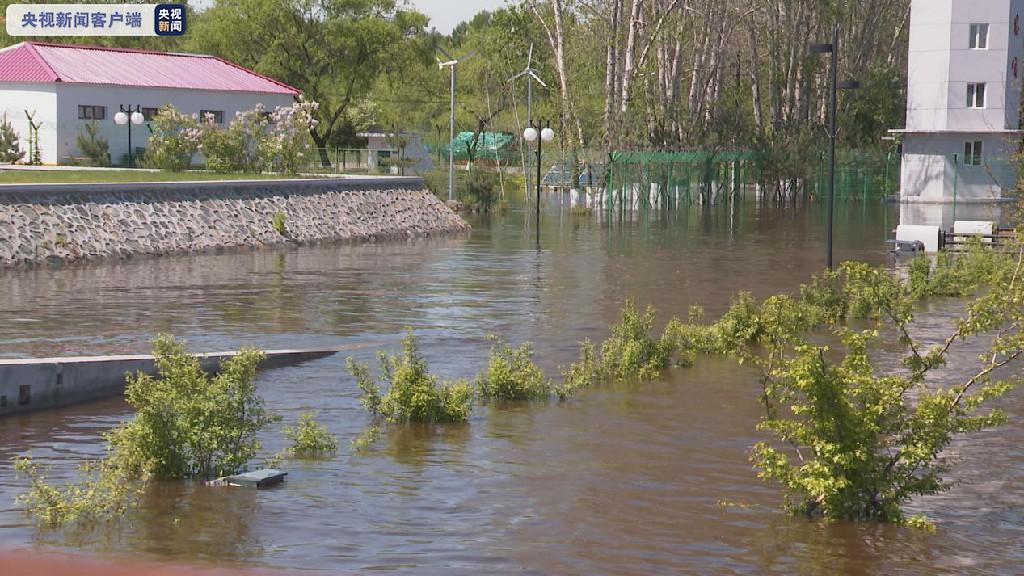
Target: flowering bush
{"type": "Point", "coordinates": [240, 146]}
{"type": "Point", "coordinates": [289, 145]}
{"type": "Point", "coordinates": [253, 142]}
{"type": "Point", "coordinates": [175, 138]}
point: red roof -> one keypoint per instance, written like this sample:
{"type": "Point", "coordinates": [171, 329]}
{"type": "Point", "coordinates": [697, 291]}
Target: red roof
{"type": "Point", "coordinates": [42, 62]}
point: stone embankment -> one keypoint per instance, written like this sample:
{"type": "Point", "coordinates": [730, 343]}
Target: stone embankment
{"type": "Point", "coordinates": [66, 223]}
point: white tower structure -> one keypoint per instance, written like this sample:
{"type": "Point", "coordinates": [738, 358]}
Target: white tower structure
{"type": "Point", "coordinates": [963, 100]}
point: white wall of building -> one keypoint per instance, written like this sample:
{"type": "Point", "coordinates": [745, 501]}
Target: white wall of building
{"type": "Point", "coordinates": [70, 96]}
{"type": "Point", "coordinates": [939, 121]}
{"type": "Point", "coordinates": [414, 152]}
{"type": "Point", "coordinates": [929, 169]}
{"type": "Point", "coordinates": [16, 98]}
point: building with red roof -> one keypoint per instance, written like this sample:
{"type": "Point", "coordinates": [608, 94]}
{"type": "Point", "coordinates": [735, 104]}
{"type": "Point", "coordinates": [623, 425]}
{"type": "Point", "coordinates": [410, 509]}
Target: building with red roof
{"type": "Point", "coordinates": [65, 87]}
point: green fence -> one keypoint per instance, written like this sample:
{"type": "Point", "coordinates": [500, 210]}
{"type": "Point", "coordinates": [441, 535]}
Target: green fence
{"type": "Point", "coordinates": [860, 175]}
{"type": "Point", "coordinates": [645, 180]}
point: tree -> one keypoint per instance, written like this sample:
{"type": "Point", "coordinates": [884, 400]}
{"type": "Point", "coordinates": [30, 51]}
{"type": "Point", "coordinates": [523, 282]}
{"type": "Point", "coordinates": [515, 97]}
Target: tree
{"type": "Point", "coordinates": [93, 145]}
{"type": "Point", "coordinates": [331, 50]}
{"type": "Point", "coordinates": [10, 149]}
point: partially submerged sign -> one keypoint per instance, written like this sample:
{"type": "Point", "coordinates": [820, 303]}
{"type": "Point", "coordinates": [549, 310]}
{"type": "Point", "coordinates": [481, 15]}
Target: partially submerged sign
{"type": "Point", "coordinates": [257, 479]}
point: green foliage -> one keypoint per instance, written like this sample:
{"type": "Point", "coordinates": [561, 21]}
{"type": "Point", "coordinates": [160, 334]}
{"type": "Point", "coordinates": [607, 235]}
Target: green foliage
{"type": "Point", "coordinates": [189, 424]}
{"type": "Point", "coordinates": [227, 149]}
{"type": "Point", "coordinates": [413, 394]}
{"type": "Point", "coordinates": [174, 140]}
{"type": "Point", "coordinates": [511, 374]}
{"type": "Point", "coordinates": [280, 223]}
{"type": "Point", "coordinates": [631, 352]}
{"type": "Point", "coordinates": [581, 373]}
{"type": "Point", "coordinates": [108, 490]}
{"type": "Point", "coordinates": [310, 438]}
{"type": "Point", "coordinates": [331, 50]}
{"type": "Point", "coordinates": [851, 443]}
{"type": "Point", "coordinates": [289, 146]}
{"type": "Point", "coordinates": [361, 444]}
{"type": "Point", "coordinates": [93, 145]}
{"type": "Point", "coordinates": [10, 149]}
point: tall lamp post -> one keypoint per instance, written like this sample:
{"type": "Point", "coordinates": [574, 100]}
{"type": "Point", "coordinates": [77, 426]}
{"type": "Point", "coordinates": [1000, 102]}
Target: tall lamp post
{"type": "Point", "coordinates": [127, 117]}
{"type": "Point", "coordinates": [540, 135]}
{"type": "Point", "coordinates": [833, 131]}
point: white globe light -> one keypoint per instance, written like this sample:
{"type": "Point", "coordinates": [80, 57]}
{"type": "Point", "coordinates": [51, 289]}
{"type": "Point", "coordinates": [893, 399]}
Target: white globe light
{"type": "Point", "coordinates": [547, 134]}
{"type": "Point", "coordinates": [138, 118]}
{"type": "Point", "coordinates": [120, 118]}
{"type": "Point", "coordinates": [530, 134]}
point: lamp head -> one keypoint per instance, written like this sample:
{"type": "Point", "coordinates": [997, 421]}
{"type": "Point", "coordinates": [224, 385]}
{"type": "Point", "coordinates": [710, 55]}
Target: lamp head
{"type": "Point", "coordinates": [821, 48]}
{"type": "Point", "coordinates": [120, 118]}
{"type": "Point", "coordinates": [530, 134]}
{"type": "Point", "coordinates": [547, 134]}
{"type": "Point", "coordinates": [138, 118]}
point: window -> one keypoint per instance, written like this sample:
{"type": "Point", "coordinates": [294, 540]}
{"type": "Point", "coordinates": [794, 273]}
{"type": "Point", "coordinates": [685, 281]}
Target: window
{"type": "Point", "coordinates": [150, 113]}
{"type": "Point", "coordinates": [976, 95]}
{"type": "Point", "coordinates": [218, 115]}
{"type": "Point", "coordinates": [979, 36]}
{"type": "Point", "coordinates": [972, 153]}
{"type": "Point", "coordinates": [92, 112]}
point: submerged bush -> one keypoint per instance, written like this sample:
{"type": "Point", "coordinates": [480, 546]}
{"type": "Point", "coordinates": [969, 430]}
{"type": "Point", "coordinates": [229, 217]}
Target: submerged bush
{"type": "Point", "coordinates": [631, 352]}
{"type": "Point", "coordinates": [108, 489]}
{"type": "Point", "coordinates": [309, 437]}
{"type": "Point", "coordinates": [850, 443]}
{"type": "Point", "coordinates": [413, 394]}
{"type": "Point", "coordinates": [511, 374]}
{"type": "Point", "coordinates": [581, 373]}
{"type": "Point", "coordinates": [188, 424]}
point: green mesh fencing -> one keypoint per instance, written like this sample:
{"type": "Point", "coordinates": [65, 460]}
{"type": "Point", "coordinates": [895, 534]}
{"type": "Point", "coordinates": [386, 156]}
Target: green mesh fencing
{"type": "Point", "coordinates": [642, 180]}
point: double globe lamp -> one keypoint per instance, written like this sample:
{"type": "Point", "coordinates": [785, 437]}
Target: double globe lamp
{"type": "Point", "coordinates": [127, 118]}
{"type": "Point", "coordinates": [532, 134]}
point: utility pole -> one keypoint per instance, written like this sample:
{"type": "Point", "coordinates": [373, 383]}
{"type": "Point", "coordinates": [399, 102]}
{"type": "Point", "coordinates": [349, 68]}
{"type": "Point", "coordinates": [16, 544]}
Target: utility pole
{"type": "Point", "coordinates": [833, 130]}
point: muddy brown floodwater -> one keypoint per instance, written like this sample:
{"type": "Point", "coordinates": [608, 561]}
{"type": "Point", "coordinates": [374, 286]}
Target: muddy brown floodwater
{"type": "Point", "coordinates": [626, 479]}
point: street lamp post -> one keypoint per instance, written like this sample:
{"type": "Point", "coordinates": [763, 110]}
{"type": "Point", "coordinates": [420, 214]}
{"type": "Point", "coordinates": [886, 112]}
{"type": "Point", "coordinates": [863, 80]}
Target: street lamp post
{"type": "Point", "coordinates": [540, 135]}
{"type": "Point", "coordinates": [127, 117]}
{"type": "Point", "coordinates": [834, 85]}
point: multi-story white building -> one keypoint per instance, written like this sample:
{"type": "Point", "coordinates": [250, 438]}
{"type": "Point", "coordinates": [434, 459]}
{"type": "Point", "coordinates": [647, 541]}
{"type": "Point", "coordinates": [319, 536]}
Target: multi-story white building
{"type": "Point", "coordinates": [963, 100]}
{"type": "Point", "coordinates": [66, 87]}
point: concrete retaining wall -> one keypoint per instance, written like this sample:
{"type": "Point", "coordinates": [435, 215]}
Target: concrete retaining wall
{"type": "Point", "coordinates": [45, 383]}
{"type": "Point", "coordinates": [42, 223]}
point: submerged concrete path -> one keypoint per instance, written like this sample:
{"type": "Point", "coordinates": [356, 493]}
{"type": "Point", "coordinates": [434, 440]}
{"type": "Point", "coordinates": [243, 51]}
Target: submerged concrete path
{"type": "Point", "coordinates": [28, 385]}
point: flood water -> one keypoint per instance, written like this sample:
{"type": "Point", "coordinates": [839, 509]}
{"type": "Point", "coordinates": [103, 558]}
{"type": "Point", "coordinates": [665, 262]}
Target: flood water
{"type": "Point", "coordinates": [625, 479]}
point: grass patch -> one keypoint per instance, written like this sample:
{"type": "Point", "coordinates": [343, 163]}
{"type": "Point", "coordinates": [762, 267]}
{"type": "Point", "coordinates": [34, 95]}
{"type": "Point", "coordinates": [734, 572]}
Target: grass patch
{"type": "Point", "coordinates": [116, 176]}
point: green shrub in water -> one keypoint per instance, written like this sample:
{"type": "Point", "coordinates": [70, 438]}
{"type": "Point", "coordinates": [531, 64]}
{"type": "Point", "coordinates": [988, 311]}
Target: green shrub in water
{"type": "Point", "coordinates": [188, 424]}
{"type": "Point", "coordinates": [413, 394]}
{"type": "Point", "coordinates": [511, 374]}
{"type": "Point", "coordinates": [631, 352]}
{"type": "Point", "coordinates": [108, 489]}
{"type": "Point", "coordinates": [848, 442]}
{"type": "Point", "coordinates": [309, 437]}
